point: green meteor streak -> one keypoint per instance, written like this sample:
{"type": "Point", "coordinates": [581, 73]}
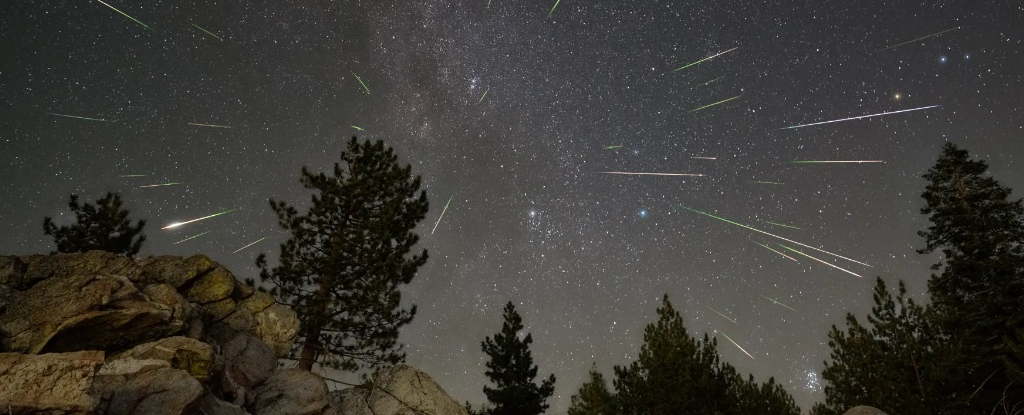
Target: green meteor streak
{"type": "Point", "coordinates": [702, 60]}
{"type": "Point", "coordinates": [177, 224]}
{"type": "Point", "coordinates": [736, 344]}
{"type": "Point", "coordinates": [719, 102]}
{"type": "Point", "coordinates": [782, 225]}
{"type": "Point", "coordinates": [191, 237]}
{"type": "Point", "coordinates": [833, 161]}
{"type": "Point", "coordinates": [484, 95]}
{"type": "Point", "coordinates": [773, 235]}
{"type": "Point", "coordinates": [209, 125]}
{"type": "Point", "coordinates": [760, 182]}
{"type": "Point", "coordinates": [358, 128]}
{"type": "Point", "coordinates": [254, 243]}
{"type": "Point", "coordinates": [207, 31]}
{"type": "Point", "coordinates": [920, 38]}
{"type": "Point", "coordinates": [442, 214]}
{"type": "Point", "coordinates": [776, 302]}
{"type": "Point", "coordinates": [132, 175]}
{"type": "Point", "coordinates": [775, 251]}
{"type": "Point", "coordinates": [823, 262]}
{"type": "Point", "coordinates": [78, 117]}
{"type": "Point", "coordinates": [125, 15]}
{"type": "Point", "coordinates": [161, 184]}
{"type": "Point", "coordinates": [361, 82]}
{"type": "Point", "coordinates": [553, 7]}
{"type": "Point", "coordinates": [723, 315]}
{"type": "Point", "coordinates": [713, 80]}
{"type": "Point", "coordinates": [612, 147]}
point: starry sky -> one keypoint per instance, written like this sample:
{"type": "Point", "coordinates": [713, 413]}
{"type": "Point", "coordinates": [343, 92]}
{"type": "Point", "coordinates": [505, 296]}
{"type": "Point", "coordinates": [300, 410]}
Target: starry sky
{"type": "Point", "coordinates": [513, 110]}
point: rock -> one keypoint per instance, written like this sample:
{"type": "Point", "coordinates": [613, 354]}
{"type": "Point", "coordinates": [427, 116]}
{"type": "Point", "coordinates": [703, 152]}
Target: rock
{"type": "Point", "coordinates": [115, 373]}
{"type": "Point", "coordinates": [82, 311]}
{"type": "Point", "coordinates": [7, 296]}
{"type": "Point", "coordinates": [277, 325]}
{"type": "Point", "coordinates": [175, 270]}
{"type": "Point", "coordinates": [399, 390]}
{"type": "Point", "coordinates": [210, 405]}
{"type": "Point", "coordinates": [218, 310]}
{"type": "Point", "coordinates": [864, 410]}
{"type": "Point", "coordinates": [241, 320]}
{"type": "Point", "coordinates": [41, 267]}
{"type": "Point", "coordinates": [12, 268]}
{"type": "Point", "coordinates": [256, 302]}
{"type": "Point", "coordinates": [157, 392]}
{"type": "Point", "coordinates": [291, 392]}
{"type": "Point", "coordinates": [247, 363]}
{"type": "Point", "coordinates": [57, 383]}
{"type": "Point", "coordinates": [190, 355]}
{"type": "Point", "coordinates": [181, 310]}
{"type": "Point", "coordinates": [212, 286]}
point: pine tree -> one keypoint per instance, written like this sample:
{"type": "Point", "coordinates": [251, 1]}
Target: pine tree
{"type": "Point", "coordinates": [765, 398]}
{"type": "Point", "coordinates": [979, 292]}
{"type": "Point", "coordinates": [895, 364]}
{"type": "Point", "coordinates": [104, 226]}
{"type": "Point", "coordinates": [593, 398]}
{"type": "Point", "coordinates": [512, 371]}
{"type": "Point", "coordinates": [347, 256]}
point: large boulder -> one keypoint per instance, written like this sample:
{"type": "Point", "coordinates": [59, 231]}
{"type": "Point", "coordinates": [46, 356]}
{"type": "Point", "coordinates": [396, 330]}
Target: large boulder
{"type": "Point", "coordinates": [25, 271]}
{"type": "Point", "coordinates": [157, 392]}
{"type": "Point", "coordinates": [175, 270]}
{"type": "Point", "coordinates": [210, 405]}
{"type": "Point", "coordinates": [292, 392]}
{"type": "Point", "coordinates": [399, 390]}
{"type": "Point", "coordinates": [57, 383]}
{"type": "Point", "coordinates": [247, 362]}
{"type": "Point", "coordinates": [864, 410]}
{"type": "Point", "coordinates": [277, 325]}
{"type": "Point", "coordinates": [190, 355]}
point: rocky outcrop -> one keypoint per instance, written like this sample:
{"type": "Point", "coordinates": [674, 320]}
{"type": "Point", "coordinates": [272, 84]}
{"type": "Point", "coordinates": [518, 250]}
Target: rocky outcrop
{"type": "Point", "coordinates": [58, 383]}
{"type": "Point", "coordinates": [864, 410]}
{"type": "Point", "coordinates": [292, 392]}
{"type": "Point", "coordinates": [400, 390]}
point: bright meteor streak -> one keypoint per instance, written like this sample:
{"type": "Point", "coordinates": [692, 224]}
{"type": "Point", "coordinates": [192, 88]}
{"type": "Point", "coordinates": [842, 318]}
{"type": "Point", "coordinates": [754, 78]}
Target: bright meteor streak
{"type": "Point", "coordinates": [823, 262]}
{"type": "Point", "coordinates": [191, 237]}
{"type": "Point", "coordinates": [776, 302]}
{"type": "Point", "coordinates": [704, 158]}
{"type": "Point", "coordinates": [553, 7]}
{"type": "Point", "coordinates": [920, 38]}
{"type": "Point", "coordinates": [484, 95]}
{"type": "Point", "coordinates": [361, 82]}
{"type": "Point", "coordinates": [207, 31]}
{"type": "Point", "coordinates": [860, 117]}
{"type": "Point", "coordinates": [760, 182]}
{"type": "Point", "coordinates": [716, 103]}
{"type": "Point", "coordinates": [702, 60]}
{"type": "Point", "coordinates": [254, 243]}
{"type": "Point", "coordinates": [357, 128]}
{"type": "Point", "coordinates": [782, 225]}
{"type": "Point", "coordinates": [834, 161]}
{"type": "Point", "coordinates": [132, 175]}
{"type": "Point", "coordinates": [723, 315]}
{"type": "Point", "coordinates": [651, 174]}
{"type": "Point", "coordinates": [736, 344]}
{"type": "Point", "coordinates": [612, 147]}
{"type": "Point", "coordinates": [208, 125]}
{"type": "Point", "coordinates": [177, 224]}
{"type": "Point", "coordinates": [125, 15]}
{"type": "Point", "coordinates": [773, 235]}
{"type": "Point", "coordinates": [78, 117]}
{"type": "Point", "coordinates": [442, 214]}
{"type": "Point", "coordinates": [775, 251]}
{"type": "Point", "coordinates": [159, 185]}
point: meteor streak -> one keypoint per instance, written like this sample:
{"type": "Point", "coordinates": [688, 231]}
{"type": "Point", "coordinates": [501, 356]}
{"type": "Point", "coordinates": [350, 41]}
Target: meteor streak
{"type": "Point", "coordinates": [735, 344]}
{"type": "Point", "coordinates": [358, 128]}
{"type": "Point", "coordinates": [132, 175]}
{"type": "Point", "coordinates": [713, 80]}
{"type": "Point", "coordinates": [553, 7]}
{"type": "Point", "coordinates": [823, 262]}
{"type": "Point", "coordinates": [776, 302]}
{"type": "Point", "coordinates": [612, 147]}
{"type": "Point", "coordinates": [723, 315]}
{"type": "Point", "coordinates": [920, 38]}
{"type": "Point", "coordinates": [442, 214]}
{"type": "Point", "coordinates": [361, 82]}
{"type": "Point", "coordinates": [254, 243]}
{"type": "Point", "coordinates": [484, 95]}
{"type": "Point", "coordinates": [702, 60]}
{"type": "Point", "coordinates": [834, 161]}
{"type": "Point", "coordinates": [207, 31]}
{"type": "Point", "coordinates": [782, 225]}
{"type": "Point", "coordinates": [177, 224]}
{"type": "Point", "coordinates": [760, 182]}
{"type": "Point", "coordinates": [191, 237]}
{"type": "Point", "coordinates": [209, 125]}
{"type": "Point", "coordinates": [125, 15]}
{"type": "Point", "coordinates": [78, 117]}
{"type": "Point", "coordinates": [704, 158]}
{"type": "Point", "coordinates": [159, 185]}
{"type": "Point", "coordinates": [860, 117]}
{"type": "Point", "coordinates": [717, 103]}
{"type": "Point", "coordinates": [773, 235]}
{"type": "Point", "coordinates": [651, 174]}
{"type": "Point", "coordinates": [775, 251]}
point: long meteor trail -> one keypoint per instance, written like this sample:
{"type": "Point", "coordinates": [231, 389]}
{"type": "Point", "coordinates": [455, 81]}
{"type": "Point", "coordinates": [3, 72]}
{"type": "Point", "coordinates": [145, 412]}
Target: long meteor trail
{"type": "Point", "coordinates": [723, 315]}
{"type": "Point", "coordinates": [160, 185]}
{"type": "Point", "coordinates": [834, 161]}
{"type": "Point", "coordinates": [361, 82]}
{"type": "Point", "coordinates": [823, 262]}
{"type": "Point", "coordinates": [920, 38]}
{"type": "Point", "coordinates": [126, 15]}
{"type": "Point", "coordinates": [773, 235]}
{"type": "Point", "coordinates": [552, 7]}
{"type": "Point", "coordinates": [484, 95]}
{"type": "Point", "coordinates": [777, 302]}
{"type": "Point", "coordinates": [702, 60]}
{"type": "Point", "coordinates": [775, 251]}
{"type": "Point", "coordinates": [716, 103]}
{"type": "Point", "coordinates": [442, 214]}
{"type": "Point", "coordinates": [209, 125]}
{"type": "Point", "coordinates": [254, 243]}
{"type": "Point", "coordinates": [783, 225]}
{"type": "Point", "coordinates": [191, 237]}
{"type": "Point", "coordinates": [177, 224]}
{"type": "Point", "coordinates": [860, 117]}
{"type": "Point", "coordinates": [736, 344]}
{"type": "Point", "coordinates": [206, 31]}
{"type": "Point", "coordinates": [78, 117]}
{"type": "Point", "coordinates": [650, 174]}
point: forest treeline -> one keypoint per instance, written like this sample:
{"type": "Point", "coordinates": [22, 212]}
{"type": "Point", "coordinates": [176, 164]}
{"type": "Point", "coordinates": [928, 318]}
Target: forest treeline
{"type": "Point", "coordinates": [960, 351]}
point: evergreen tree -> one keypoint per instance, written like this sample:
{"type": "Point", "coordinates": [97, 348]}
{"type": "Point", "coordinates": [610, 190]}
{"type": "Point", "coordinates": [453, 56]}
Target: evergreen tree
{"type": "Point", "coordinates": [979, 292]}
{"type": "Point", "coordinates": [764, 398]}
{"type": "Point", "coordinates": [593, 398]}
{"type": "Point", "coordinates": [895, 364]}
{"type": "Point", "coordinates": [341, 267]}
{"type": "Point", "coordinates": [104, 226]}
{"type": "Point", "coordinates": [512, 371]}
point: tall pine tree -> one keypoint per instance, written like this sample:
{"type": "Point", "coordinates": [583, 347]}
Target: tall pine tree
{"type": "Point", "coordinates": [105, 227]}
{"type": "Point", "coordinates": [512, 371]}
{"type": "Point", "coordinates": [978, 292]}
{"type": "Point", "coordinates": [593, 398]}
{"type": "Point", "coordinates": [347, 256]}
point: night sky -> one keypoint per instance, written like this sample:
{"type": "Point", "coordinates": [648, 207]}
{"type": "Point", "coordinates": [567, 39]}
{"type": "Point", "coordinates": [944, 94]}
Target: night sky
{"type": "Point", "coordinates": [585, 256]}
